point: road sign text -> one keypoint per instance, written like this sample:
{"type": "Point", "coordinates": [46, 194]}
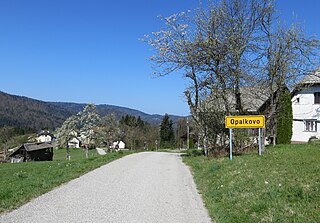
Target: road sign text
{"type": "Point", "coordinates": [249, 121]}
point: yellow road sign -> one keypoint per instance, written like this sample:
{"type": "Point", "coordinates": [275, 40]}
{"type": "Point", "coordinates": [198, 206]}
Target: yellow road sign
{"type": "Point", "coordinates": [245, 121]}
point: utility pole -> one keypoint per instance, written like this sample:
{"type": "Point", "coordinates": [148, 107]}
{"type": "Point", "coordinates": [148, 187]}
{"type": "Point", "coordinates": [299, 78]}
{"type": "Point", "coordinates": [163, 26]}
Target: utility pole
{"type": "Point", "coordinates": [188, 133]}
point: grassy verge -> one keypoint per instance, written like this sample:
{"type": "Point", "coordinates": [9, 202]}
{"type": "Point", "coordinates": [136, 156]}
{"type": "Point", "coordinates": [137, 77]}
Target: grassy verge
{"type": "Point", "coordinates": [20, 182]}
{"type": "Point", "coordinates": [283, 185]}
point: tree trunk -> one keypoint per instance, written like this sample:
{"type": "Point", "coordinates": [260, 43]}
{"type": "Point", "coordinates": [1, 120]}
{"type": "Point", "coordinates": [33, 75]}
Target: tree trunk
{"type": "Point", "coordinates": [5, 151]}
{"type": "Point", "coordinates": [68, 153]}
{"type": "Point", "coordinates": [87, 152]}
{"type": "Point", "coordinates": [205, 143]}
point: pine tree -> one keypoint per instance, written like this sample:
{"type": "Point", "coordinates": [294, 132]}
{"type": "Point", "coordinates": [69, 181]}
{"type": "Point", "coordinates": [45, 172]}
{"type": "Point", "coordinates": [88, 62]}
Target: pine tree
{"type": "Point", "coordinates": [285, 117]}
{"type": "Point", "coordinates": [166, 131]}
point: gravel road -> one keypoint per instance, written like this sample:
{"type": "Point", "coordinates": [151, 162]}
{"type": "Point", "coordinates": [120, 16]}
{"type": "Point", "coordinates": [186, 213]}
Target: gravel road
{"type": "Point", "coordinates": [143, 187]}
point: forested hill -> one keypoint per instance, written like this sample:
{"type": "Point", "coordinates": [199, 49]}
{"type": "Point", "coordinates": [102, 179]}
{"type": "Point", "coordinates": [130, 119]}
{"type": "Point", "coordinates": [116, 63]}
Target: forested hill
{"type": "Point", "coordinates": [109, 109]}
{"type": "Point", "coordinates": [27, 113]}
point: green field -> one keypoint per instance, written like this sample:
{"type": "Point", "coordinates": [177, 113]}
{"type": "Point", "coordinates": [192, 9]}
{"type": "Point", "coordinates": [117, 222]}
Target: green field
{"type": "Point", "coordinates": [20, 182]}
{"type": "Point", "coordinates": [283, 185]}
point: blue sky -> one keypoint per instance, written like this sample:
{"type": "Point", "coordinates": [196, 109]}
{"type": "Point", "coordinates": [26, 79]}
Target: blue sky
{"type": "Point", "coordinates": [89, 51]}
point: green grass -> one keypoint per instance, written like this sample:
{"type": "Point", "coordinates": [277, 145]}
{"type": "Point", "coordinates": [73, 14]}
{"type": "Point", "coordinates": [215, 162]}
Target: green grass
{"type": "Point", "coordinates": [20, 182]}
{"type": "Point", "coordinates": [75, 154]}
{"type": "Point", "coordinates": [283, 185]}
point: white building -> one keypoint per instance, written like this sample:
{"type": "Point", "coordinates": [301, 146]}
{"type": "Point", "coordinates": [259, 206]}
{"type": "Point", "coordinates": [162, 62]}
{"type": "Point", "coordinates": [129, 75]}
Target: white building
{"type": "Point", "coordinates": [74, 143]}
{"type": "Point", "coordinates": [118, 145]}
{"type": "Point", "coordinates": [306, 109]}
{"type": "Point", "coordinates": [44, 136]}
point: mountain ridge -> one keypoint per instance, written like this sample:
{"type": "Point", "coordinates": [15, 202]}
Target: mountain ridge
{"type": "Point", "coordinates": [25, 112]}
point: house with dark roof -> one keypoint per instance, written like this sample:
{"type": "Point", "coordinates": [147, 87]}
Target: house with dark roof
{"type": "Point", "coordinates": [45, 136]}
{"type": "Point", "coordinates": [32, 152]}
{"type": "Point", "coordinates": [306, 108]}
{"type": "Point", "coordinates": [252, 98]}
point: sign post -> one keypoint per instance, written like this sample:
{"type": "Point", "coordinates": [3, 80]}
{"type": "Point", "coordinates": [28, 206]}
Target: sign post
{"type": "Point", "coordinates": [230, 143]}
{"type": "Point", "coordinates": [260, 142]}
{"type": "Point", "coordinates": [245, 121]}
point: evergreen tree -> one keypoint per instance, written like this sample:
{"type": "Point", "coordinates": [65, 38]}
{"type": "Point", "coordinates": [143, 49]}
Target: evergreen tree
{"type": "Point", "coordinates": [166, 131]}
{"type": "Point", "coordinates": [285, 117]}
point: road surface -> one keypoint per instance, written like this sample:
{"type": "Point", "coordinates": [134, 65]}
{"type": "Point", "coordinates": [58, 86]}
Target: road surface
{"type": "Point", "coordinates": [143, 187]}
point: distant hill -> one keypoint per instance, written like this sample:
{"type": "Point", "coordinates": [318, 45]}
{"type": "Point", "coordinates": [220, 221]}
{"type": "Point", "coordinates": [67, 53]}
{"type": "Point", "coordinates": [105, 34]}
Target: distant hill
{"type": "Point", "coordinates": [103, 110]}
{"type": "Point", "coordinates": [23, 112]}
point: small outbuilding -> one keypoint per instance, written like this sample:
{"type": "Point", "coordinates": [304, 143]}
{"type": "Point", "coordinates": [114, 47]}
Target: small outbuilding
{"type": "Point", "coordinates": [74, 142]}
{"type": "Point", "coordinates": [118, 145]}
{"type": "Point", "coordinates": [32, 152]}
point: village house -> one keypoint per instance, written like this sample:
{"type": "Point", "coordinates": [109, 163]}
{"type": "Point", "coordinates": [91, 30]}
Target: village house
{"type": "Point", "coordinates": [74, 142]}
{"type": "Point", "coordinates": [45, 136]}
{"type": "Point", "coordinates": [306, 109]}
{"type": "Point", "coordinates": [118, 145]}
{"type": "Point", "coordinates": [32, 152]}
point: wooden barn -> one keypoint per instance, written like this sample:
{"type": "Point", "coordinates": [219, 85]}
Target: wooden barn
{"type": "Point", "coordinates": [32, 152]}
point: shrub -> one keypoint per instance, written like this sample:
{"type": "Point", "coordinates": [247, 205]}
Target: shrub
{"type": "Point", "coordinates": [284, 120]}
{"type": "Point", "coordinates": [195, 152]}
{"type": "Point", "coordinates": [313, 140]}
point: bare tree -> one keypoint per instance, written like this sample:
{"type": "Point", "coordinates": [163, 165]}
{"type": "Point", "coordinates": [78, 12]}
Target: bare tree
{"type": "Point", "coordinates": [286, 56]}
{"type": "Point", "coordinates": [211, 48]}
{"type": "Point", "coordinates": [229, 45]}
{"type": "Point", "coordinates": [109, 130]}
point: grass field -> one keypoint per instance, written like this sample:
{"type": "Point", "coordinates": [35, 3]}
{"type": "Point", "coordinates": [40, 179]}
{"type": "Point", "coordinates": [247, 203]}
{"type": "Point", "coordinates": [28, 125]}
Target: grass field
{"type": "Point", "coordinates": [283, 185]}
{"type": "Point", "coordinates": [20, 182]}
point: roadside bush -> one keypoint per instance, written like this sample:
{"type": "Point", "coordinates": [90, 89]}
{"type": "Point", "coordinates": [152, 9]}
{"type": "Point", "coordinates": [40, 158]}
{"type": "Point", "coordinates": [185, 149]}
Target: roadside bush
{"type": "Point", "coordinates": [243, 141]}
{"type": "Point", "coordinates": [195, 152]}
{"type": "Point", "coordinates": [313, 140]}
{"type": "Point", "coordinates": [167, 145]}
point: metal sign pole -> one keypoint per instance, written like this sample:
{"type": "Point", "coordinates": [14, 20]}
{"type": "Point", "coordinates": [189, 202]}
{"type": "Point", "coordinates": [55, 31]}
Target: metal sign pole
{"type": "Point", "coordinates": [260, 142]}
{"type": "Point", "coordinates": [230, 144]}
{"type": "Point", "coordinates": [246, 121]}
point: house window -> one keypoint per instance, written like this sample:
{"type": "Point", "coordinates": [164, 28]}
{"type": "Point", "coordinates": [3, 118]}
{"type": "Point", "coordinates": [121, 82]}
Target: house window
{"type": "Point", "coordinates": [317, 97]}
{"type": "Point", "coordinates": [310, 125]}
{"type": "Point", "coordinates": [298, 100]}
